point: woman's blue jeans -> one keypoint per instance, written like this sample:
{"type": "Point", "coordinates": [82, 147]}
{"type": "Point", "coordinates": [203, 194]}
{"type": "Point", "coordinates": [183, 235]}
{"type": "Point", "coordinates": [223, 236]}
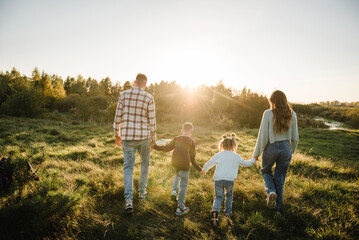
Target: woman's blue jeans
{"type": "Point", "coordinates": [222, 187]}
{"type": "Point", "coordinates": [129, 156]}
{"type": "Point", "coordinates": [279, 153]}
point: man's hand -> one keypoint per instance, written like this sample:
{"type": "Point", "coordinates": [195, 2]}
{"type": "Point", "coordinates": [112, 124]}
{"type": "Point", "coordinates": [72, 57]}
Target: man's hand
{"type": "Point", "coordinates": [118, 141]}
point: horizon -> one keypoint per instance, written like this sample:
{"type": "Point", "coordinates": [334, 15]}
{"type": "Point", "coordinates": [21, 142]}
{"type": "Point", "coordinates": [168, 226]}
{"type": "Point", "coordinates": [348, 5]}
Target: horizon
{"type": "Point", "coordinates": [192, 89]}
{"type": "Point", "coordinates": [306, 49]}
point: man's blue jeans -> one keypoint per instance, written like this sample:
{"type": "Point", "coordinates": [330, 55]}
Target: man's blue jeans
{"type": "Point", "coordinates": [221, 187]}
{"type": "Point", "coordinates": [279, 153]}
{"type": "Point", "coordinates": [129, 155]}
{"type": "Point", "coordinates": [181, 180]}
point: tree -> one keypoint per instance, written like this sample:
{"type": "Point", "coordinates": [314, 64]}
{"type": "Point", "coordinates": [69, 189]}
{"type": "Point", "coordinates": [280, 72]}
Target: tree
{"type": "Point", "coordinates": [116, 90]}
{"type": "Point", "coordinates": [77, 86]}
{"type": "Point", "coordinates": [222, 98]}
{"type": "Point", "coordinates": [17, 83]}
{"type": "Point", "coordinates": [93, 88]}
{"type": "Point", "coordinates": [105, 86]}
{"type": "Point", "coordinates": [68, 85]}
{"type": "Point", "coordinates": [80, 86]}
{"type": "Point", "coordinates": [127, 85]}
{"type": "Point", "coordinates": [58, 87]}
{"type": "Point", "coordinates": [248, 108]}
{"type": "Point", "coordinates": [4, 87]}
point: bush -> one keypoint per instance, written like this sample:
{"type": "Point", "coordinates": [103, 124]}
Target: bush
{"type": "Point", "coordinates": [67, 103]}
{"type": "Point", "coordinates": [111, 111]}
{"type": "Point", "coordinates": [93, 108]}
{"type": "Point", "coordinates": [353, 115]}
{"type": "Point", "coordinates": [305, 121]}
{"type": "Point", "coordinates": [222, 122]}
{"type": "Point", "coordinates": [26, 103]}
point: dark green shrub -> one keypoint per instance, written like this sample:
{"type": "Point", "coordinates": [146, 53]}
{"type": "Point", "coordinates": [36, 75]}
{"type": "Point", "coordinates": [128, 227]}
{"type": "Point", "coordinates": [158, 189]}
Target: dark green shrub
{"type": "Point", "coordinates": [92, 108]}
{"type": "Point", "coordinates": [67, 103]}
{"type": "Point", "coordinates": [26, 103]}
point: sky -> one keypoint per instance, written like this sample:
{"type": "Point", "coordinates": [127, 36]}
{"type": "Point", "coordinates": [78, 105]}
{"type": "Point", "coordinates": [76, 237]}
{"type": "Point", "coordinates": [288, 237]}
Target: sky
{"type": "Point", "coordinates": [309, 48]}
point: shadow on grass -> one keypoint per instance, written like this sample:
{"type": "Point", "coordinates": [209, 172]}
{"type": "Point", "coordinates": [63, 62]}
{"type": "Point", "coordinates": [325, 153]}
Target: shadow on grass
{"type": "Point", "coordinates": [36, 217]}
{"type": "Point", "coordinates": [253, 220]}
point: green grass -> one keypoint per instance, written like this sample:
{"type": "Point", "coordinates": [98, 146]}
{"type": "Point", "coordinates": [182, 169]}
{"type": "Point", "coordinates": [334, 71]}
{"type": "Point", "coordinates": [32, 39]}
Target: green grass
{"type": "Point", "coordinates": [80, 192]}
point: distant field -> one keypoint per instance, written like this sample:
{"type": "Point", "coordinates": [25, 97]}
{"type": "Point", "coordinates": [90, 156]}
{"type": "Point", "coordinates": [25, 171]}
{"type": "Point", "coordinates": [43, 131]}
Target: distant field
{"type": "Point", "coordinates": [80, 192]}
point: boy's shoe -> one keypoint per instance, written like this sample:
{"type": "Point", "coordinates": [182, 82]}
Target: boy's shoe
{"type": "Point", "coordinates": [214, 218]}
{"type": "Point", "coordinates": [129, 207]}
{"type": "Point", "coordinates": [142, 196]}
{"type": "Point", "coordinates": [271, 200]}
{"type": "Point", "coordinates": [181, 211]}
{"type": "Point", "coordinates": [174, 195]}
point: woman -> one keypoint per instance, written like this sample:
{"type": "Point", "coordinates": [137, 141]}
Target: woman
{"type": "Point", "coordinates": [277, 140]}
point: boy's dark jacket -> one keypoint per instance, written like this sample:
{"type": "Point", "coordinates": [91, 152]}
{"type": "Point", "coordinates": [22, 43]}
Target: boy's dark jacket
{"type": "Point", "coordinates": [184, 152]}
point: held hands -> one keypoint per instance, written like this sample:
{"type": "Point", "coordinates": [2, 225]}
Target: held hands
{"type": "Point", "coordinates": [196, 140]}
{"type": "Point", "coordinates": [203, 173]}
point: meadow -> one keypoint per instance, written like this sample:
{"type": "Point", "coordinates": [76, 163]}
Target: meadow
{"type": "Point", "coordinates": [80, 191]}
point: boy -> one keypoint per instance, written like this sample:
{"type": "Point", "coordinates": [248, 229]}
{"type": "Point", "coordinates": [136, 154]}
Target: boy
{"type": "Point", "coordinates": [184, 153]}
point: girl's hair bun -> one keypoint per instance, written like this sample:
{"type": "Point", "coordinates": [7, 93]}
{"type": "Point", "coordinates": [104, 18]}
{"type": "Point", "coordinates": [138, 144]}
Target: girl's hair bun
{"type": "Point", "coordinates": [224, 136]}
{"type": "Point", "coordinates": [233, 135]}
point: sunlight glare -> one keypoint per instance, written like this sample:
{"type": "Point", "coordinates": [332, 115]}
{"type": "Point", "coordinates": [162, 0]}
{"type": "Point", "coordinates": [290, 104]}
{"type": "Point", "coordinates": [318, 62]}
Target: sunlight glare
{"type": "Point", "coordinates": [191, 67]}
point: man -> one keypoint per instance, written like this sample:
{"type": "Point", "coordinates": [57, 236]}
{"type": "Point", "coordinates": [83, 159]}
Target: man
{"type": "Point", "coordinates": [135, 128]}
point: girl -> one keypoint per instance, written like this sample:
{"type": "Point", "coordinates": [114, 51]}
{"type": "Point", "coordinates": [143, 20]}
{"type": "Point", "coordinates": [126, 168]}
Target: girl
{"type": "Point", "coordinates": [277, 140]}
{"type": "Point", "coordinates": [226, 172]}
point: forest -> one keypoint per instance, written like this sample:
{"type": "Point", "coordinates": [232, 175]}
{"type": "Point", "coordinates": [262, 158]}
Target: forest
{"type": "Point", "coordinates": [41, 94]}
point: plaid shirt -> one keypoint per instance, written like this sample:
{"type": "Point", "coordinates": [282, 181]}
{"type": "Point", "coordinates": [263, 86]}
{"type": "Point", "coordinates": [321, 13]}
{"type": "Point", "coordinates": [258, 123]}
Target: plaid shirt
{"type": "Point", "coordinates": [136, 114]}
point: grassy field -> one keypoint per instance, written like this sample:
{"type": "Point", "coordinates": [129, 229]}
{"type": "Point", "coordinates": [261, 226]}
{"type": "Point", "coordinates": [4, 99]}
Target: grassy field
{"type": "Point", "coordinates": [80, 192]}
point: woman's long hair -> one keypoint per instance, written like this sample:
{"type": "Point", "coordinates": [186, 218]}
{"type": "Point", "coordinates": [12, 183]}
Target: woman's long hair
{"type": "Point", "coordinates": [282, 111]}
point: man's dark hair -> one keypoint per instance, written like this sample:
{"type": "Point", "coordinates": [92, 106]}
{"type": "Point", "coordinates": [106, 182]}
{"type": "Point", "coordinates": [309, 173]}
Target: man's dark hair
{"type": "Point", "coordinates": [141, 79]}
{"type": "Point", "coordinates": [187, 127]}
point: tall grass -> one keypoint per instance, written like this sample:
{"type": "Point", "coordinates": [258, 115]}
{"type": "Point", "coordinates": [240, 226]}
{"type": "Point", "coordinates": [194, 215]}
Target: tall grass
{"type": "Point", "coordinates": [80, 192]}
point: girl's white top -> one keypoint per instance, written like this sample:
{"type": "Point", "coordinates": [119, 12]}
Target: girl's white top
{"type": "Point", "coordinates": [267, 134]}
{"type": "Point", "coordinates": [227, 163]}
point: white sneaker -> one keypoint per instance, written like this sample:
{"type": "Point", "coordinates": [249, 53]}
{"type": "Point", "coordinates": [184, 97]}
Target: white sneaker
{"type": "Point", "coordinates": [271, 200]}
{"type": "Point", "coordinates": [129, 206]}
{"type": "Point", "coordinates": [142, 196]}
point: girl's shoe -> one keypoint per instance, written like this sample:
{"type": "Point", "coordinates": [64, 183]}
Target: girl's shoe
{"type": "Point", "coordinates": [214, 219]}
{"type": "Point", "coordinates": [271, 200]}
{"type": "Point", "coordinates": [181, 211]}
{"type": "Point", "coordinates": [174, 195]}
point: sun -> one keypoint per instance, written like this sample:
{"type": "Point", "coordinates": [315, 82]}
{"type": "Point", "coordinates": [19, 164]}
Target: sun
{"type": "Point", "coordinates": [190, 67]}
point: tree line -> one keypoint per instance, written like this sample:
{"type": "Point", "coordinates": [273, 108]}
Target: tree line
{"type": "Point", "coordinates": [89, 99]}
{"type": "Point", "coordinates": [92, 100]}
